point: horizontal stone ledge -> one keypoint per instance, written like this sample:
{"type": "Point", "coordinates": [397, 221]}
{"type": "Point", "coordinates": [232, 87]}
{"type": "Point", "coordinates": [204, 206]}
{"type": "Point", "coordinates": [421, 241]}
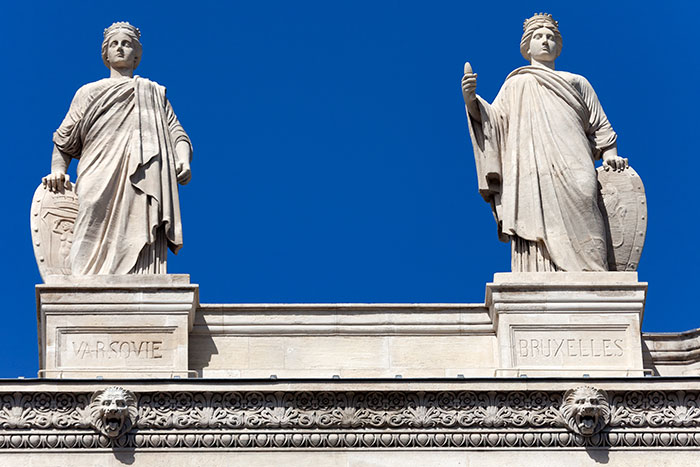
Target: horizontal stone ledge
{"type": "Point", "coordinates": [557, 279]}
{"type": "Point", "coordinates": [558, 287]}
{"type": "Point", "coordinates": [232, 318]}
{"type": "Point", "coordinates": [476, 315]}
{"type": "Point", "coordinates": [688, 341]}
{"type": "Point", "coordinates": [674, 336]}
{"type": "Point", "coordinates": [568, 297]}
{"type": "Point", "coordinates": [350, 318]}
{"type": "Point", "coordinates": [675, 357]}
{"type": "Point", "coordinates": [344, 329]}
{"type": "Point", "coordinates": [343, 307]}
{"type": "Point", "coordinates": [529, 307]}
{"type": "Point", "coordinates": [563, 296]}
{"type": "Point", "coordinates": [498, 384]}
{"type": "Point", "coordinates": [124, 280]}
{"type": "Point", "coordinates": [88, 308]}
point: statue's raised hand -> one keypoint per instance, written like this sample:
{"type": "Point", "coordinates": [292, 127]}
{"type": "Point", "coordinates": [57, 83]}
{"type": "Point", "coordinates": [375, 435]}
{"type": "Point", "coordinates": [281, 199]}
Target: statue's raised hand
{"type": "Point", "coordinates": [469, 84]}
{"type": "Point", "coordinates": [469, 92]}
{"type": "Point", "coordinates": [56, 181]}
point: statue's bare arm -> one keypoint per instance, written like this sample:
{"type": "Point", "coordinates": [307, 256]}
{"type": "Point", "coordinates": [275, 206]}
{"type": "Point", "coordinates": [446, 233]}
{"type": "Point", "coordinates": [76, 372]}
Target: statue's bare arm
{"type": "Point", "coordinates": [469, 92]}
{"type": "Point", "coordinates": [58, 178]}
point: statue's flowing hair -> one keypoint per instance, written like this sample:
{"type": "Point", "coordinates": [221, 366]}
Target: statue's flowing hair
{"type": "Point", "coordinates": [134, 34]}
{"type": "Point", "coordinates": [532, 24]}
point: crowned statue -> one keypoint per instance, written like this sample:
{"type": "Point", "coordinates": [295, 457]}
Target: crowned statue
{"type": "Point", "coordinates": [535, 148]}
{"type": "Point", "coordinates": [132, 154]}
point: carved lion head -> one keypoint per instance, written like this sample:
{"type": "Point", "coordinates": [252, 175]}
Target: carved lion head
{"type": "Point", "coordinates": [586, 410]}
{"type": "Point", "coordinates": [113, 411]}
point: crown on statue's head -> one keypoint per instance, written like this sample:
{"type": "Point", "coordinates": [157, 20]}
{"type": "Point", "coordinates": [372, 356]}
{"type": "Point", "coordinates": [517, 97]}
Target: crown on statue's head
{"type": "Point", "coordinates": [538, 18]}
{"type": "Point", "coordinates": [122, 25]}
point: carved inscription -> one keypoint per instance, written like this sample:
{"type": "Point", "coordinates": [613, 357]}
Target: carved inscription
{"type": "Point", "coordinates": [552, 347]}
{"type": "Point", "coordinates": [132, 349]}
{"type": "Point", "coordinates": [80, 349]}
{"type": "Point", "coordinates": [572, 347]}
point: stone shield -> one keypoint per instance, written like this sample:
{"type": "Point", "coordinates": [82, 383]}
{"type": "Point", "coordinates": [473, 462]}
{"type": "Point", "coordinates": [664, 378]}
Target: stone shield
{"type": "Point", "coordinates": [623, 204]}
{"type": "Point", "coordinates": [52, 218]}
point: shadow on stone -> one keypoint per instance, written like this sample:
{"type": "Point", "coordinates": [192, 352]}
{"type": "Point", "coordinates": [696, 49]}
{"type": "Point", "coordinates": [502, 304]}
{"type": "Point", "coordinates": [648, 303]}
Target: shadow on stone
{"type": "Point", "coordinates": [124, 455]}
{"type": "Point", "coordinates": [600, 455]}
{"type": "Point", "coordinates": [647, 359]}
{"type": "Point", "coordinates": [201, 348]}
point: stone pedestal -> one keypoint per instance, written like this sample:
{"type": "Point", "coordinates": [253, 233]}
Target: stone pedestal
{"type": "Point", "coordinates": [568, 324]}
{"type": "Point", "coordinates": [115, 326]}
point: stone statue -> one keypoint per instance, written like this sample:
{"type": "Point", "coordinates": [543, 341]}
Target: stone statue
{"type": "Point", "coordinates": [132, 153]}
{"type": "Point", "coordinates": [535, 148]}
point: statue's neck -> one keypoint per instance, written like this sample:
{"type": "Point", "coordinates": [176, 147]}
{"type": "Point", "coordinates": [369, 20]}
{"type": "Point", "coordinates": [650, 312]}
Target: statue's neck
{"type": "Point", "coordinates": [543, 63]}
{"type": "Point", "coordinates": [121, 72]}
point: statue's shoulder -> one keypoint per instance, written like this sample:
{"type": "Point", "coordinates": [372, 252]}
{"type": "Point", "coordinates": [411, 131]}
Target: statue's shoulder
{"type": "Point", "coordinates": [92, 86]}
{"type": "Point", "coordinates": [149, 82]}
{"type": "Point", "coordinates": [86, 90]}
{"type": "Point", "coordinates": [576, 80]}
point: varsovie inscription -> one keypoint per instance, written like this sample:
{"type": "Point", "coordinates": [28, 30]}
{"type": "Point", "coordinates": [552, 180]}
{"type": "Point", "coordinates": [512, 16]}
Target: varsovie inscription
{"type": "Point", "coordinates": [125, 350]}
{"type": "Point", "coordinates": [114, 350]}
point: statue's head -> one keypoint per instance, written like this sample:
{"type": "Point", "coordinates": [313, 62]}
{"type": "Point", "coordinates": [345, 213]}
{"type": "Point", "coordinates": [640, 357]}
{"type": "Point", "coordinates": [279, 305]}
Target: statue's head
{"type": "Point", "coordinates": [541, 38]}
{"type": "Point", "coordinates": [121, 46]}
{"type": "Point", "coordinates": [113, 411]}
{"type": "Point", "coordinates": [586, 410]}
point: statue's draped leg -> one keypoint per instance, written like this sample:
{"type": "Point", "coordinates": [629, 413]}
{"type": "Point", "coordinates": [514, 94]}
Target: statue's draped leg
{"type": "Point", "coordinates": [530, 256]}
{"type": "Point", "coordinates": [153, 257]}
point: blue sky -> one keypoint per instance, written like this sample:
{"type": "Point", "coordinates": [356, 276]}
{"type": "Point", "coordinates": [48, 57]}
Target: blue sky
{"type": "Point", "coordinates": [332, 160]}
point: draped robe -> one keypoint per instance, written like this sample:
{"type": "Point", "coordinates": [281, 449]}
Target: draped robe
{"type": "Point", "coordinates": [124, 132]}
{"type": "Point", "coordinates": [535, 148]}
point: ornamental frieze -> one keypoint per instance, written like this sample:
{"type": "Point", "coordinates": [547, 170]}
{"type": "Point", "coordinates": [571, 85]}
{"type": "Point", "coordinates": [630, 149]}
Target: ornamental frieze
{"type": "Point", "coordinates": [581, 417]}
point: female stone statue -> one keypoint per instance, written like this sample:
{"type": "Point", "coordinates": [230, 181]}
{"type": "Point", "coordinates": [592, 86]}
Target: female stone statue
{"type": "Point", "coordinates": [535, 148]}
{"type": "Point", "coordinates": [132, 153]}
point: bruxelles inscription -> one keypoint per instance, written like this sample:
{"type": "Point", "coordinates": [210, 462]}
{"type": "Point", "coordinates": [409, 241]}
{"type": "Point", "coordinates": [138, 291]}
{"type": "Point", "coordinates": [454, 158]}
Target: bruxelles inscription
{"type": "Point", "coordinates": [573, 346]}
{"type": "Point", "coordinates": [552, 347]}
{"type": "Point", "coordinates": [118, 349]}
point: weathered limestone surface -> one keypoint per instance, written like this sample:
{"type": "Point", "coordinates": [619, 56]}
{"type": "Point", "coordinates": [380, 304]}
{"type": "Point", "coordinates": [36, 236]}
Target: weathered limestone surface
{"type": "Point", "coordinates": [151, 325]}
{"type": "Point", "coordinates": [568, 323]}
{"type": "Point", "coordinates": [347, 340]}
{"type": "Point", "coordinates": [112, 326]}
{"type": "Point", "coordinates": [673, 354]}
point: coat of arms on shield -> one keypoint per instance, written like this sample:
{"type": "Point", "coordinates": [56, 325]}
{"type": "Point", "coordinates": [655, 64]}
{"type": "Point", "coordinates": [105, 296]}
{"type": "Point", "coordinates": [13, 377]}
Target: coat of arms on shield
{"type": "Point", "coordinates": [623, 204]}
{"type": "Point", "coordinates": [52, 218]}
